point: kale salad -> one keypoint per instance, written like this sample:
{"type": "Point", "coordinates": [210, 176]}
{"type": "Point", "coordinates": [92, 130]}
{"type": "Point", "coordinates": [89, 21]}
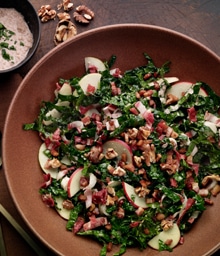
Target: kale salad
{"type": "Point", "coordinates": [130, 158]}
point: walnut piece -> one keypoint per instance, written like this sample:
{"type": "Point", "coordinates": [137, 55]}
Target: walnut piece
{"type": "Point", "coordinates": [83, 14]}
{"type": "Point", "coordinates": [66, 4]}
{"type": "Point", "coordinates": [171, 99]}
{"type": "Point", "coordinates": [45, 13]}
{"type": "Point", "coordinates": [111, 153]}
{"type": "Point", "coordinates": [63, 16]}
{"type": "Point", "coordinates": [64, 31]}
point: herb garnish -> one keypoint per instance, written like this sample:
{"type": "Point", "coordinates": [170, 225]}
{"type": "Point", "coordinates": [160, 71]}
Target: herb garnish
{"type": "Point", "coordinates": [5, 35]}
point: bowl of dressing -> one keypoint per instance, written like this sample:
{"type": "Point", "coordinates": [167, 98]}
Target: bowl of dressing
{"type": "Point", "coordinates": [19, 33]}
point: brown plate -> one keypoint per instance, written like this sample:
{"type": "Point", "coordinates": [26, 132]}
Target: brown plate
{"type": "Point", "coordinates": [190, 61]}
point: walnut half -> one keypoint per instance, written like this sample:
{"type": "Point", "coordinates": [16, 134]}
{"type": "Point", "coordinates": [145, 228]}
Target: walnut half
{"type": "Point", "coordinates": [64, 31]}
{"type": "Point", "coordinates": [83, 14]}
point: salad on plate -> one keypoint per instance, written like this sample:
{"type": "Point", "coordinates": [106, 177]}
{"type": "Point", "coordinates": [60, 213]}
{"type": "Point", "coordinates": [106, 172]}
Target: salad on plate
{"type": "Point", "coordinates": [130, 159]}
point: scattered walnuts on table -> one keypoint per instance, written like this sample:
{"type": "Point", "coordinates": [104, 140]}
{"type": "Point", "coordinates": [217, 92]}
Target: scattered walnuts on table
{"type": "Point", "coordinates": [65, 28]}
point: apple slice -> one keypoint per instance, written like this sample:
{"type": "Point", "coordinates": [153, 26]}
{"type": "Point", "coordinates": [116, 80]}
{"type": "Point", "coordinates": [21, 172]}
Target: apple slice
{"type": "Point", "coordinates": [73, 185]}
{"type": "Point", "coordinates": [66, 89]}
{"type": "Point", "coordinates": [132, 197]}
{"type": "Point", "coordinates": [42, 158]}
{"type": "Point", "coordinates": [211, 125]}
{"type": "Point", "coordinates": [114, 183]}
{"type": "Point", "coordinates": [170, 80]}
{"type": "Point", "coordinates": [178, 89]}
{"type": "Point", "coordinates": [92, 61]}
{"type": "Point", "coordinates": [63, 212]}
{"type": "Point", "coordinates": [92, 79]}
{"type": "Point", "coordinates": [120, 147]}
{"type": "Point", "coordinates": [171, 234]}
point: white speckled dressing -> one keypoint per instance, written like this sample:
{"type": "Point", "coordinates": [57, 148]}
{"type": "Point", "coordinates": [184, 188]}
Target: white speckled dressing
{"type": "Point", "coordinates": [21, 40]}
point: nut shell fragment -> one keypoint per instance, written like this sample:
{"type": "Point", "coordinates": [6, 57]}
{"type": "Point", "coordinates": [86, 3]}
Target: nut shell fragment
{"type": "Point", "coordinates": [64, 31]}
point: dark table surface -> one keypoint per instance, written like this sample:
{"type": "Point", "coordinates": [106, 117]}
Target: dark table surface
{"type": "Point", "coordinates": [199, 19]}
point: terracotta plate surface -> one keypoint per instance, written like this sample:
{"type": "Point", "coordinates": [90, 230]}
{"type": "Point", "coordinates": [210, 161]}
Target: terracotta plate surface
{"type": "Point", "coordinates": [190, 61]}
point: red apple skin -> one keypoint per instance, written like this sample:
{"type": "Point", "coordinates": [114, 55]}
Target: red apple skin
{"type": "Point", "coordinates": [74, 181]}
{"type": "Point", "coordinates": [129, 198]}
{"type": "Point", "coordinates": [120, 147]}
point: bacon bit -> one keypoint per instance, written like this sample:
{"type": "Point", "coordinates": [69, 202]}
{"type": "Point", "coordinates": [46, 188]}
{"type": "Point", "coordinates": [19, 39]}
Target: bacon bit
{"type": "Point", "coordinates": [189, 134]}
{"type": "Point", "coordinates": [83, 109]}
{"type": "Point", "coordinates": [168, 241]}
{"type": "Point", "coordinates": [82, 197]}
{"type": "Point", "coordinates": [134, 224]}
{"type": "Point", "coordinates": [161, 127]}
{"type": "Point", "coordinates": [86, 120]}
{"type": "Point", "coordinates": [189, 203]}
{"type": "Point", "coordinates": [99, 126]}
{"type": "Point", "coordinates": [116, 73]}
{"type": "Point", "coordinates": [109, 247]}
{"type": "Point", "coordinates": [56, 135]}
{"type": "Point", "coordinates": [208, 201]}
{"type": "Point", "coordinates": [149, 117]}
{"type": "Point", "coordinates": [95, 222]}
{"type": "Point", "coordinates": [96, 117]}
{"type": "Point", "coordinates": [84, 181]}
{"type": "Point", "coordinates": [173, 183]}
{"type": "Point", "coordinates": [90, 89]}
{"type": "Point", "coordinates": [115, 90]}
{"type": "Point", "coordinates": [120, 213]}
{"type": "Point", "coordinates": [54, 152]}
{"type": "Point", "coordinates": [192, 114]}
{"type": "Point", "coordinates": [181, 241]}
{"type": "Point", "coordinates": [134, 111]}
{"type": "Point", "coordinates": [78, 224]}
{"type": "Point", "coordinates": [100, 197]}
{"type": "Point", "coordinates": [146, 231]}
{"type": "Point", "coordinates": [92, 68]}
{"type": "Point", "coordinates": [112, 124]}
{"type": "Point", "coordinates": [140, 107]}
{"type": "Point", "coordinates": [139, 211]}
{"type": "Point", "coordinates": [47, 180]}
{"type": "Point", "coordinates": [147, 76]}
{"type": "Point", "coordinates": [48, 200]}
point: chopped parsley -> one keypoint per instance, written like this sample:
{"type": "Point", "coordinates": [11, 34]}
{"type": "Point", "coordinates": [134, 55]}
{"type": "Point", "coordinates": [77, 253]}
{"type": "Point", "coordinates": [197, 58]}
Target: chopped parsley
{"type": "Point", "coordinates": [5, 37]}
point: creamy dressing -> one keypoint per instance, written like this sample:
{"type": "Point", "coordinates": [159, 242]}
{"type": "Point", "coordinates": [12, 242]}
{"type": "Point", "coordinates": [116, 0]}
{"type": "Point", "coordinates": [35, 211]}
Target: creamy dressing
{"type": "Point", "coordinates": [15, 38]}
